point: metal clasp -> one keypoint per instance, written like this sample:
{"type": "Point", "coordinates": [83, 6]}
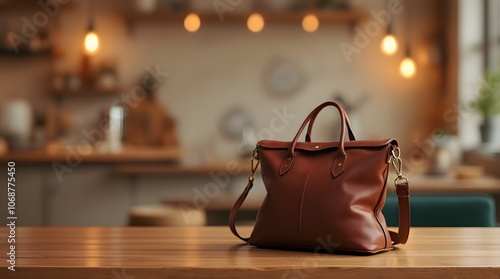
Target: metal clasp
{"type": "Point", "coordinates": [397, 163]}
{"type": "Point", "coordinates": [255, 164]}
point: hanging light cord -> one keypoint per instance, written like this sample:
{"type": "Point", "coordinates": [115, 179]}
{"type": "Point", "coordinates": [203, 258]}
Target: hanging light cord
{"type": "Point", "coordinates": [91, 15]}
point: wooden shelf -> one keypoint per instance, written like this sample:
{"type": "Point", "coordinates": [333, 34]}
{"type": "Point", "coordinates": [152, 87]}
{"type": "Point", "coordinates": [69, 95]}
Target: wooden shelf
{"type": "Point", "coordinates": [87, 92]}
{"type": "Point", "coordinates": [242, 167]}
{"type": "Point", "coordinates": [221, 203]}
{"type": "Point", "coordinates": [324, 16]}
{"type": "Point", "coordinates": [129, 154]}
{"type": "Point", "coordinates": [9, 6]}
{"type": "Point", "coordinates": [25, 53]}
{"type": "Point", "coordinates": [18, 5]}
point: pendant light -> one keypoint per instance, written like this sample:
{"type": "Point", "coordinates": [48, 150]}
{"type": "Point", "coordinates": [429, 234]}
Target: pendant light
{"type": "Point", "coordinates": [192, 22]}
{"type": "Point", "coordinates": [408, 68]}
{"type": "Point", "coordinates": [255, 22]}
{"type": "Point", "coordinates": [91, 42]}
{"type": "Point", "coordinates": [389, 44]}
{"type": "Point", "coordinates": [310, 23]}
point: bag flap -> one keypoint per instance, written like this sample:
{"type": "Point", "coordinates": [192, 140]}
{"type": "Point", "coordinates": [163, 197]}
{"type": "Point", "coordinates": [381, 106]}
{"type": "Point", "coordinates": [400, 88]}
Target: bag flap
{"type": "Point", "coordinates": [313, 146]}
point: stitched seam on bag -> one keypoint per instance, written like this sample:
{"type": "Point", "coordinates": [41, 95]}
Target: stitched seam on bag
{"type": "Point", "coordinates": [378, 204]}
{"type": "Point", "coordinates": [302, 204]}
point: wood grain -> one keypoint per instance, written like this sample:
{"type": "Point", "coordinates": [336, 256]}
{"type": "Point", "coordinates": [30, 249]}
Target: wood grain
{"type": "Point", "coordinates": [324, 16]}
{"type": "Point", "coordinates": [154, 252]}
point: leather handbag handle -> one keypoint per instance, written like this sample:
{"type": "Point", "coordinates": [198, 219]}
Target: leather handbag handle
{"type": "Point", "coordinates": [340, 157]}
{"type": "Point", "coordinates": [311, 123]}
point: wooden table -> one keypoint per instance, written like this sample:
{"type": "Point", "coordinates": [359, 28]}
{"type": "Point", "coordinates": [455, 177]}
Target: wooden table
{"type": "Point", "coordinates": [155, 252]}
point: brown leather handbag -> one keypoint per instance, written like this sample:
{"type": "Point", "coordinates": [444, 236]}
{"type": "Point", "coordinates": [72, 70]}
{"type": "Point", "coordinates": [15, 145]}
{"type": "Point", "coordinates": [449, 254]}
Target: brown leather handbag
{"type": "Point", "coordinates": [326, 195]}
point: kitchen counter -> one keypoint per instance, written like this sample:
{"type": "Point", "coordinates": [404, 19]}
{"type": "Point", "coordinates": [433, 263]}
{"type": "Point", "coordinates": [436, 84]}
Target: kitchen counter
{"type": "Point", "coordinates": [213, 252]}
{"type": "Point", "coordinates": [449, 185]}
{"type": "Point", "coordinates": [72, 154]}
{"type": "Point", "coordinates": [232, 167]}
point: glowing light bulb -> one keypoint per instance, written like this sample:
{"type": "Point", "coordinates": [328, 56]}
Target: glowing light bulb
{"type": "Point", "coordinates": [91, 45]}
{"type": "Point", "coordinates": [255, 22]}
{"type": "Point", "coordinates": [192, 22]}
{"type": "Point", "coordinates": [389, 45]}
{"type": "Point", "coordinates": [310, 23]}
{"type": "Point", "coordinates": [407, 68]}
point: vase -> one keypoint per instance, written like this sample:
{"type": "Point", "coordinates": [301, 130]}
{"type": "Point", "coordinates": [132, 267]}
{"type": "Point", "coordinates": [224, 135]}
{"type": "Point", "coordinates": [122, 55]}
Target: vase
{"type": "Point", "coordinates": [18, 123]}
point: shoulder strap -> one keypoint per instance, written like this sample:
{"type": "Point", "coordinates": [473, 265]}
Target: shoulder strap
{"type": "Point", "coordinates": [236, 208]}
{"type": "Point", "coordinates": [403, 192]}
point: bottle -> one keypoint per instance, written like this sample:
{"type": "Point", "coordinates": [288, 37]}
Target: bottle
{"type": "Point", "coordinates": [115, 132]}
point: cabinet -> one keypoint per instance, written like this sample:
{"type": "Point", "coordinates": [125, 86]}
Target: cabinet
{"type": "Point", "coordinates": [88, 196]}
{"type": "Point", "coordinates": [29, 194]}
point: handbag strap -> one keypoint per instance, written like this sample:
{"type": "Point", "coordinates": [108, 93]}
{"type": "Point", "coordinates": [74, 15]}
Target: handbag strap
{"type": "Point", "coordinates": [311, 123]}
{"type": "Point", "coordinates": [236, 208]}
{"type": "Point", "coordinates": [402, 191]}
{"type": "Point", "coordinates": [340, 156]}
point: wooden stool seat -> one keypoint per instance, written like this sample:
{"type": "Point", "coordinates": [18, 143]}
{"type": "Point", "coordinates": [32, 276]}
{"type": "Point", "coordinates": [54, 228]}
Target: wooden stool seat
{"type": "Point", "coordinates": [166, 215]}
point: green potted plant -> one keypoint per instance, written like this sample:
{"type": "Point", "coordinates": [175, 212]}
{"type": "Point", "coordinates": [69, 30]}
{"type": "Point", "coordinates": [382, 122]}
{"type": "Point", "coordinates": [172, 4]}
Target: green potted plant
{"type": "Point", "coordinates": [487, 103]}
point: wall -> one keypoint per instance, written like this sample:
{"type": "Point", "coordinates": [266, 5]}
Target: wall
{"type": "Point", "coordinates": [223, 66]}
{"type": "Point", "coordinates": [470, 57]}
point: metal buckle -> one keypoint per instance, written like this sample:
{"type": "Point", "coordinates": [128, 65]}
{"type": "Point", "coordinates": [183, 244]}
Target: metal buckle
{"type": "Point", "coordinates": [397, 163]}
{"type": "Point", "coordinates": [255, 164]}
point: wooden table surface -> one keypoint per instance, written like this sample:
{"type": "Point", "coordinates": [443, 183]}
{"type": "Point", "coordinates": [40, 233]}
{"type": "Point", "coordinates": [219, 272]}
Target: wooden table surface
{"type": "Point", "coordinates": [156, 252]}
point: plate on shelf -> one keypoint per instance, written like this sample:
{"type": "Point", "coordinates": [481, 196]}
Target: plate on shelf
{"type": "Point", "coordinates": [234, 122]}
{"type": "Point", "coordinates": [283, 77]}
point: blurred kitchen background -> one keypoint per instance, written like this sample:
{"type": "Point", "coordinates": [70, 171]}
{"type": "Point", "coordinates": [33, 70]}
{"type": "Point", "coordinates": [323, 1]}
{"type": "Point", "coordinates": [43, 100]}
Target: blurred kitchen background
{"type": "Point", "coordinates": [146, 111]}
